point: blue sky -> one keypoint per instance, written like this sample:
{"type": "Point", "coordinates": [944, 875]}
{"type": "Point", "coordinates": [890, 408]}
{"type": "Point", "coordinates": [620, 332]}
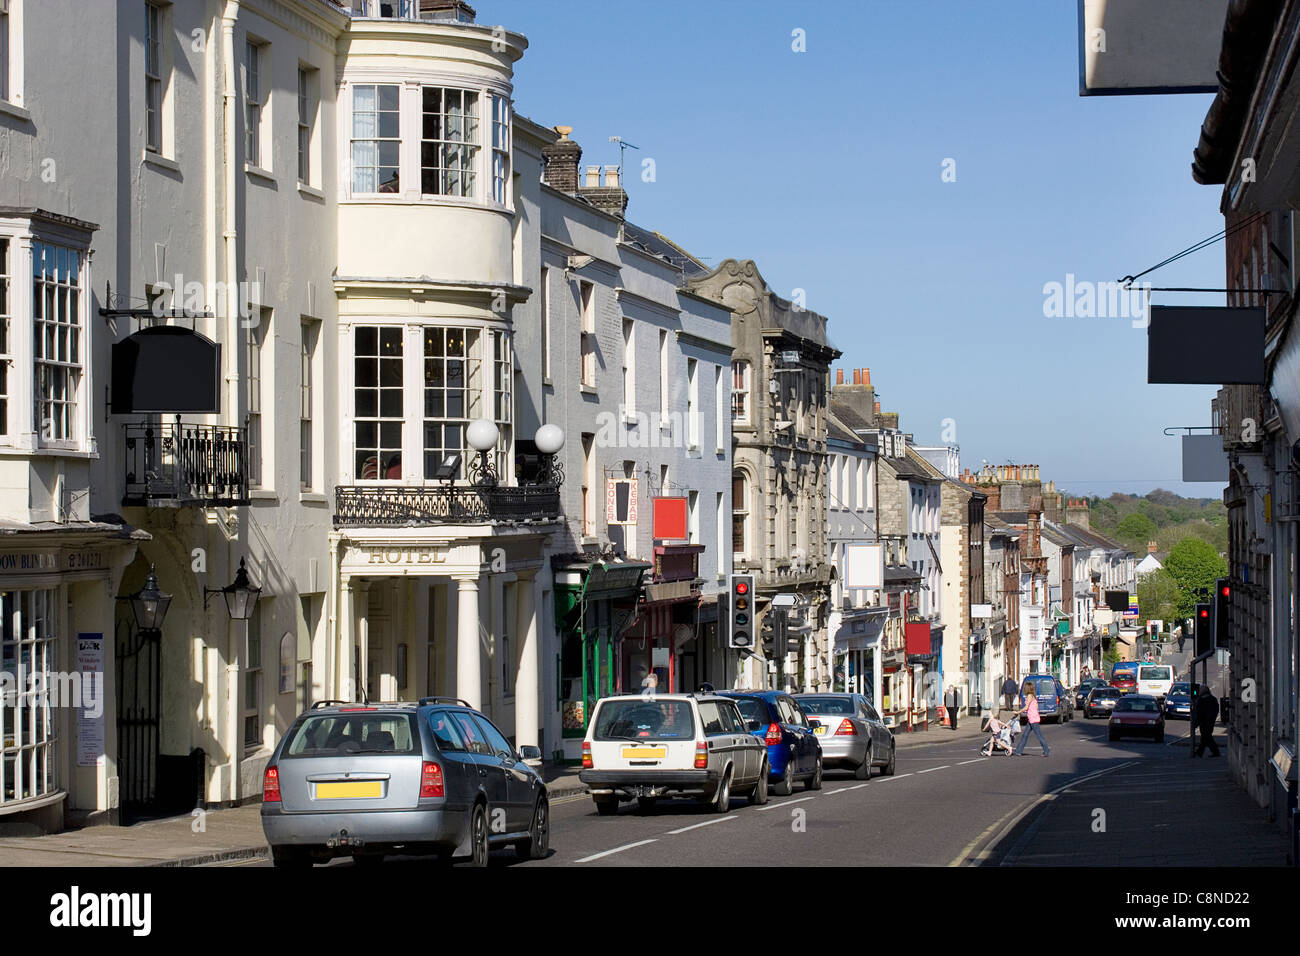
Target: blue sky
{"type": "Point", "coordinates": [825, 168]}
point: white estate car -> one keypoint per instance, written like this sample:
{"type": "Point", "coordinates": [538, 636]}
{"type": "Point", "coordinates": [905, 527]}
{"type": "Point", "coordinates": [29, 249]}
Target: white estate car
{"type": "Point", "coordinates": [671, 745]}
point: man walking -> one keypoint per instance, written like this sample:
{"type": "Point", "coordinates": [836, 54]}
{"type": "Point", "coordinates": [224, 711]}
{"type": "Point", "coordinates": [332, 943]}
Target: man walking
{"type": "Point", "coordinates": [950, 703]}
{"type": "Point", "coordinates": [1030, 710]}
{"type": "Point", "coordinates": [1009, 692]}
{"type": "Point", "coordinates": [1207, 711]}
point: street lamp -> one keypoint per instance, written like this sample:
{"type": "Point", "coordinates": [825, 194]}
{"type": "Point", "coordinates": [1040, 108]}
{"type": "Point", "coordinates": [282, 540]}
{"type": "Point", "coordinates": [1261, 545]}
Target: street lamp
{"type": "Point", "coordinates": [482, 436]}
{"type": "Point", "coordinates": [241, 596]}
{"type": "Point", "coordinates": [149, 604]}
{"type": "Point", "coordinates": [549, 440]}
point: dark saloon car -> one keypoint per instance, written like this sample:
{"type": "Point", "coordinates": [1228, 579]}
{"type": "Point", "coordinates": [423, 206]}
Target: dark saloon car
{"type": "Point", "coordinates": [1137, 715]}
{"type": "Point", "coordinates": [1081, 692]}
{"type": "Point", "coordinates": [793, 750]}
{"type": "Point", "coordinates": [1101, 701]}
{"type": "Point", "coordinates": [1178, 703]}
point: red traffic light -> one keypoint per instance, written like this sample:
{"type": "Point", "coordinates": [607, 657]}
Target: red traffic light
{"type": "Point", "coordinates": [1205, 612]}
{"type": "Point", "coordinates": [1226, 590]}
{"type": "Point", "coordinates": [742, 587]}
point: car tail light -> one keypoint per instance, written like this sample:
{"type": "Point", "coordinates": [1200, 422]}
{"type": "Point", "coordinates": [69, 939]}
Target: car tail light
{"type": "Point", "coordinates": [846, 728]}
{"type": "Point", "coordinates": [431, 780]}
{"type": "Point", "coordinates": [773, 735]}
{"type": "Point", "coordinates": [586, 756]}
{"type": "Point", "coordinates": [271, 786]}
{"type": "Point", "coordinates": [701, 755]}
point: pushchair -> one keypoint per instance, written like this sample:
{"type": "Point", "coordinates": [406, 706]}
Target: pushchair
{"type": "Point", "coordinates": [1001, 736]}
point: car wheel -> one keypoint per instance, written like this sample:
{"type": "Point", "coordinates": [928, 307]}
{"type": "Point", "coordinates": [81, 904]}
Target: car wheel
{"type": "Point", "coordinates": [290, 857]}
{"type": "Point", "coordinates": [607, 808]}
{"type": "Point", "coordinates": [759, 796]}
{"type": "Point", "coordinates": [539, 834]}
{"type": "Point", "coordinates": [722, 800]}
{"type": "Point", "coordinates": [785, 786]}
{"type": "Point", "coordinates": [815, 781]}
{"type": "Point", "coordinates": [646, 804]}
{"type": "Point", "coordinates": [863, 772]}
{"type": "Point", "coordinates": [478, 836]}
{"type": "Point", "coordinates": [889, 767]}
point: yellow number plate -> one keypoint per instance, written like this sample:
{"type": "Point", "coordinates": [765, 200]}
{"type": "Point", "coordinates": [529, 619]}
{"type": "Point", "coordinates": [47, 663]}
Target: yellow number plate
{"type": "Point", "coordinates": [349, 789]}
{"type": "Point", "coordinates": [819, 731]}
{"type": "Point", "coordinates": [644, 753]}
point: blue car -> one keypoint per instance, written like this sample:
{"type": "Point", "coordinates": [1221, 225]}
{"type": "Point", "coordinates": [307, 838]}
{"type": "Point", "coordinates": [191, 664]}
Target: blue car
{"type": "Point", "coordinates": [793, 751]}
{"type": "Point", "coordinates": [1049, 697]}
{"type": "Point", "coordinates": [1178, 703]}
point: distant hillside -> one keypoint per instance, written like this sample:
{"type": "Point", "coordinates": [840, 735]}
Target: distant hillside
{"type": "Point", "coordinates": [1161, 516]}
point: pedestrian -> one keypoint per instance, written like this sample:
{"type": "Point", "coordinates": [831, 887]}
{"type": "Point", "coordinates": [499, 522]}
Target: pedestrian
{"type": "Point", "coordinates": [1030, 710]}
{"type": "Point", "coordinates": [1009, 692]}
{"type": "Point", "coordinates": [1207, 711]}
{"type": "Point", "coordinates": [1181, 638]}
{"type": "Point", "coordinates": [950, 702]}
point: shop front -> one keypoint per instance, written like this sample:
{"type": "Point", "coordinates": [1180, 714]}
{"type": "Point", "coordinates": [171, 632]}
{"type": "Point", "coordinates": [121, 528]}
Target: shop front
{"type": "Point", "coordinates": [857, 650]}
{"type": "Point", "coordinates": [595, 602]}
{"type": "Point", "coordinates": [57, 588]}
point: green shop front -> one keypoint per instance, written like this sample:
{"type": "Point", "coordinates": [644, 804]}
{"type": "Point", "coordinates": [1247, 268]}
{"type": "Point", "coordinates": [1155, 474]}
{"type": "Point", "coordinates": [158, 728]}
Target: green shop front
{"type": "Point", "coordinates": [595, 601]}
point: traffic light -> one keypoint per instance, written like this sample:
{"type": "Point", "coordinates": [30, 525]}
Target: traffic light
{"type": "Point", "coordinates": [1222, 601]}
{"type": "Point", "coordinates": [740, 632]}
{"type": "Point", "coordinates": [1204, 630]}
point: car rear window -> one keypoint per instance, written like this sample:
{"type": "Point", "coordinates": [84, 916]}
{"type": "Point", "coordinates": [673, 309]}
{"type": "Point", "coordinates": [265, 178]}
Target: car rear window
{"type": "Point", "coordinates": [1104, 692]}
{"type": "Point", "coordinates": [1046, 687]}
{"type": "Point", "coordinates": [827, 705]}
{"type": "Point", "coordinates": [1156, 672]}
{"type": "Point", "coordinates": [1180, 689]}
{"type": "Point", "coordinates": [345, 734]}
{"type": "Point", "coordinates": [1137, 704]}
{"type": "Point", "coordinates": [752, 708]}
{"type": "Point", "coordinates": [644, 719]}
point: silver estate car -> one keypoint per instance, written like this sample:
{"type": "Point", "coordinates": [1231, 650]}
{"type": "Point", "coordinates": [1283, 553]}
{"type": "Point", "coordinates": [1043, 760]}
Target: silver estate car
{"type": "Point", "coordinates": [852, 734]}
{"type": "Point", "coordinates": [364, 780]}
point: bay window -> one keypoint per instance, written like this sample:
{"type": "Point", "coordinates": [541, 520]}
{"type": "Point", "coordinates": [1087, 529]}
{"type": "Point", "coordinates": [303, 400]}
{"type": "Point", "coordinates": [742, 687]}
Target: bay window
{"type": "Point", "coordinates": [6, 315]}
{"type": "Point", "coordinates": [377, 403]}
{"type": "Point", "coordinates": [28, 734]}
{"type": "Point", "coordinates": [500, 147]}
{"type": "Point", "coordinates": [452, 364]}
{"type": "Point", "coordinates": [376, 139]}
{"type": "Point", "coordinates": [449, 142]}
{"type": "Point", "coordinates": [740, 392]}
{"type": "Point", "coordinates": [56, 313]}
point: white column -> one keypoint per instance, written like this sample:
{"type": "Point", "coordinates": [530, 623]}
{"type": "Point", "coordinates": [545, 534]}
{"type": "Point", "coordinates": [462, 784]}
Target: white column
{"type": "Point", "coordinates": [361, 606]}
{"type": "Point", "coordinates": [347, 621]}
{"type": "Point", "coordinates": [469, 656]}
{"type": "Point", "coordinates": [528, 679]}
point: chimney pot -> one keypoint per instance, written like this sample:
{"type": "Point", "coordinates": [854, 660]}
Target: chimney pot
{"type": "Point", "coordinates": [611, 177]}
{"type": "Point", "coordinates": [877, 408]}
{"type": "Point", "coordinates": [839, 376]}
{"type": "Point", "coordinates": [593, 178]}
{"type": "Point", "coordinates": [866, 376]}
{"type": "Point", "coordinates": [857, 376]}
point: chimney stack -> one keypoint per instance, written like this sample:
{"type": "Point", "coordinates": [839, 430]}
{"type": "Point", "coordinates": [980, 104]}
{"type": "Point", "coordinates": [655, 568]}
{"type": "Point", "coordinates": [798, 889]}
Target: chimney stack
{"type": "Point", "coordinates": [1151, 547]}
{"type": "Point", "coordinates": [561, 159]}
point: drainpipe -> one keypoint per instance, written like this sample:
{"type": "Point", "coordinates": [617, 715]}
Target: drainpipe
{"type": "Point", "coordinates": [230, 240]}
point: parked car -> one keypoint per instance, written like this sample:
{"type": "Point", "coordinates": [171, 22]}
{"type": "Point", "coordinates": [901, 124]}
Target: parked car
{"type": "Point", "coordinates": [1125, 683]}
{"type": "Point", "coordinates": [364, 780]}
{"type": "Point", "coordinates": [1101, 701]}
{"type": "Point", "coordinates": [696, 745]}
{"type": "Point", "coordinates": [794, 751]}
{"type": "Point", "coordinates": [1050, 695]}
{"type": "Point", "coordinates": [1137, 715]}
{"type": "Point", "coordinates": [1081, 691]}
{"type": "Point", "coordinates": [1065, 701]}
{"type": "Point", "coordinates": [851, 733]}
{"type": "Point", "coordinates": [1178, 702]}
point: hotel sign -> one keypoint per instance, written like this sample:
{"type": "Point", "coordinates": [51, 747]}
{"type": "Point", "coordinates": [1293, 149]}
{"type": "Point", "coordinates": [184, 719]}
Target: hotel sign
{"type": "Point", "coordinates": [52, 561]}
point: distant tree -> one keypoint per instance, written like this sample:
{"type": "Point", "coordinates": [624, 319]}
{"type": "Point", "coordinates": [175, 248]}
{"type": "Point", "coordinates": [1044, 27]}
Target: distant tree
{"type": "Point", "coordinates": [1158, 595]}
{"type": "Point", "coordinates": [1137, 529]}
{"type": "Point", "coordinates": [1194, 565]}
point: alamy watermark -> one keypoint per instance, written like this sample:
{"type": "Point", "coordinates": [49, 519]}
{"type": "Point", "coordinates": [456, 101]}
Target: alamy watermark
{"type": "Point", "coordinates": [83, 690]}
{"type": "Point", "coordinates": [1082, 299]}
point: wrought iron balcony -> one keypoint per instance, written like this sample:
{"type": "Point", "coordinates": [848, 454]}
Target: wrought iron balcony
{"type": "Point", "coordinates": [185, 465]}
{"type": "Point", "coordinates": [360, 506]}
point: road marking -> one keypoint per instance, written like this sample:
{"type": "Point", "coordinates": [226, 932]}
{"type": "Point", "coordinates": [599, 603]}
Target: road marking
{"type": "Point", "coordinates": [617, 849]}
{"type": "Point", "coordinates": [1019, 813]}
{"type": "Point", "coordinates": [706, 823]}
{"type": "Point", "coordinates": [933, 769]}
{"type": "Point", "coordinates": [898, 776]}
{"type": "Point", "coordinates": [976, 760]}
{"type": "Point", "coordinates": [774, 806]}
{"type": "Point", "coordinates": [856, 787]}
{"type": "Point", "coordinates": [840, 790]}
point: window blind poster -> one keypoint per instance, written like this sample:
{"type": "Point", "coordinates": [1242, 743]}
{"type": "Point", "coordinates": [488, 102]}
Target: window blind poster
{"type": "Point", "coordinates": [90, 713]}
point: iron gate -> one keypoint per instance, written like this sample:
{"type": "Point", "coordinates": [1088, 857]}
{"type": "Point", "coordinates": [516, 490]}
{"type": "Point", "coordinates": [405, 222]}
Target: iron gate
{"type": "Point", "coordinates": [139, 709]}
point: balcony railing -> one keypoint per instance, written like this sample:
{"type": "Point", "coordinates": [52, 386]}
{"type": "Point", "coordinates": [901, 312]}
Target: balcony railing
{"type": "Point", "coordinates": [378, 506]}
{"type": "Point", "coordinates": [410, 10]}
{"type": "Point", "coordinates": [185, 465]}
